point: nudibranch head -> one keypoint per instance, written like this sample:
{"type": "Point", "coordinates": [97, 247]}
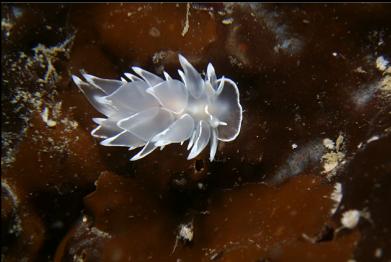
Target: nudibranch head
{"type": "Point", "coordinates": [149, 111]}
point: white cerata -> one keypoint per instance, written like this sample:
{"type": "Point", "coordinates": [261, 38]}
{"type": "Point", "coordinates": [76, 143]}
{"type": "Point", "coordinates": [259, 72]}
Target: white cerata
{"type": "Point", "coordinates": [150, 112]}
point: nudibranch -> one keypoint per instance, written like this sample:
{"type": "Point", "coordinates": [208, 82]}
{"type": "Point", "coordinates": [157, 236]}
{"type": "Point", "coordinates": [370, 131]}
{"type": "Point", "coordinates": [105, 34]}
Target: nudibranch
{"type": "Point", "coordinates": [150, 112]}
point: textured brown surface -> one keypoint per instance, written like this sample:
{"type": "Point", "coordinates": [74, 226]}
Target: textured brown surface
{"type": "Point", "coordinates": [306, 73]}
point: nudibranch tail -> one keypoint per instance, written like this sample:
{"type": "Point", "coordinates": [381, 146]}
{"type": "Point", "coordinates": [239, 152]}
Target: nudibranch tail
{"type": "Point", "coordinates": [145, 110]}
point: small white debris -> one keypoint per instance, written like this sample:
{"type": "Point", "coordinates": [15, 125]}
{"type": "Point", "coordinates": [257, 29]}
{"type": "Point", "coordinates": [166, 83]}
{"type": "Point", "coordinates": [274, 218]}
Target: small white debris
{"type": "Point", "coordinates": [350, 218]}
{"type": "Point", "coordinates": [227, 21]}
{"type": "Point", "coordinates": [332, 159]}
{"type": "Point", "coordinates": [374, 138]}
{"type": "Point", "coordinates": [294, 146]}
{"type": "Point", "coordinates": [47, 56]}
{"type": "Point", "coordinates": [186, 232]}
{"type": "Point", "coordinates": [381, 63]}
{"type": "Point", "coordinates": [385, 82]}
{"type": "Point", "coordinates": [336, 196]}
{"type": "Point", "coordinates": [45, 118]}
{"type": "Point", "coordinates": [335, 54]}
{"type": "Point", "coordinates": [360, 70]}
{"type": "Point", "coordinates": [328, 143]}
{"type": "Point", "coordinates": [96, 231]}
{"type": "Point", "coordinates": [69, 124]}
{"type": "Point", "coordinates": [339, 142]}
{"type": "Point", "coordinates": [154, 32]}
{"type": "Point", "coordinates": [186, 27]}
{"type": "Point", "coordinates": [222, 13]}
{"type": "Point", "coordinates": [378, 253]}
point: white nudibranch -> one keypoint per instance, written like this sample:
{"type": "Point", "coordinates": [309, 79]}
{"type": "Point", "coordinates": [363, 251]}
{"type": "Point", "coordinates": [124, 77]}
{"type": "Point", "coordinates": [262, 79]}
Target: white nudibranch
{"type": "Point", "coordinates": [148, 111]}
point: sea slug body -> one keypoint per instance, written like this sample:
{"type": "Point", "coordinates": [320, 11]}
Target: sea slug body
{"type": "Point", "coordinates": [150, 112]}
